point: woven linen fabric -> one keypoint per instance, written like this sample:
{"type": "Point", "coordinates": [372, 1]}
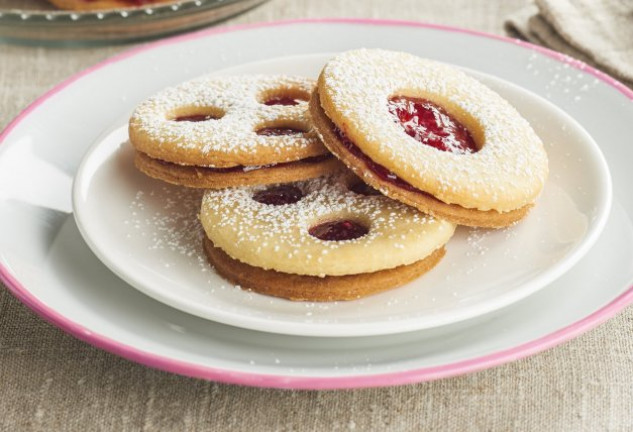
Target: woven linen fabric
{"type": "Point", "coordinates": [50, 381]}
{"type": "Point", "coordinates": [597, 32]}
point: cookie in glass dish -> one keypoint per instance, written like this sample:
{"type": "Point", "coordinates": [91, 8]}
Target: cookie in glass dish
{"type": "Point", "coordinates": [86, 5]}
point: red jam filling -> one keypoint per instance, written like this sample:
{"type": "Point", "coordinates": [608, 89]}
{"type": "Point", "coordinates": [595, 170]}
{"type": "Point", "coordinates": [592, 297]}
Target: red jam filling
{"type": "Point", "coordinates": [431, 125]}
{"type": "Point", "coordinates": [338, 230]}
{"type": "Point", "coordinates": [363, 189]}
{"type": "Point", "coordinates": [278, 131]}
{"type": "Point", "coordinates": [243, 168]}
{"type": "Point", "coordinates": [380, 171]}
{"type": "Point", "coordinates": [279, 195]}
{"type": "Point", "coordinates": [195, 118]}
{"type": "Point", "coordinates": [282, 100]}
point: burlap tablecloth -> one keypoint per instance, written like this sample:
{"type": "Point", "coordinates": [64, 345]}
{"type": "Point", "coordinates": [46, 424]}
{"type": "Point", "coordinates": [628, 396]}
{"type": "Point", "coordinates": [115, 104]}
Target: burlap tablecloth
{"type": "Point", "coordinates": [50, 381]}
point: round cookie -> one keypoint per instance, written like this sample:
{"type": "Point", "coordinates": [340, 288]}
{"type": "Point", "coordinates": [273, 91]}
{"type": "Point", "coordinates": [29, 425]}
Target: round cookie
{"type": "Point", "coordinates": [323, 239]}
{"type": "Point", "coordinates": [215, 132]}
{"type": "Point", "coordinates": [85, 5]}
{"type": "Point", "coordinates": [426, 134]}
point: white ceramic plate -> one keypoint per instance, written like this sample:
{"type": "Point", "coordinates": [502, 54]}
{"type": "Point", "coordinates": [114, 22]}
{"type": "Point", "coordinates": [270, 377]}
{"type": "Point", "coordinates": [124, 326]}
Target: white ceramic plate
{"type": "Point", "coordinates": [148, 234]}
{"type": "Point", "coordinates": [46, 263]}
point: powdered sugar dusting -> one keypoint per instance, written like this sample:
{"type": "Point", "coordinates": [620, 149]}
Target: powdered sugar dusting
{"type": "Point", "coordinates": [174, 226]}
{"type": "Point", "coordinates": [507, 173]}
{"type": "Point", "coordinates": [276, 236]}
{"type": "Point", "coordinates": [477, 241]}
{"type": "Point", "coordinates": [231, 139]}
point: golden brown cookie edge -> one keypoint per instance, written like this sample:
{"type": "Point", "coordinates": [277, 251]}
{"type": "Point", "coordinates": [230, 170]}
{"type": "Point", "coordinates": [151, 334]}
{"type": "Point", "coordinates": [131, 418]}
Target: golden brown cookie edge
{"type": "Point", "coordinates": [200, 177]}
{"type": "Point", "coordinates": [313, 288]}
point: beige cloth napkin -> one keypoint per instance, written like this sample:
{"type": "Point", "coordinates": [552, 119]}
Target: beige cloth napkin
{"type": "Point", "coordinates": [598, 32]}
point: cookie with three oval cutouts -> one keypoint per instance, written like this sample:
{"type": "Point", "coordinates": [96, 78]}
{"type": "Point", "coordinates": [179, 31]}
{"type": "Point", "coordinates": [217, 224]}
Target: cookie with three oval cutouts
{"type": "Point", "coordinates": [216, 132]}
{"type": "Point", "coordinates": [426, 134]}
{"type": "Point", "coordinates": [323, 239]}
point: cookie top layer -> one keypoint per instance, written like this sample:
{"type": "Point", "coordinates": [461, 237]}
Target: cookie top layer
{"type": "Point", "coordinates": [285, 237]}
{"type": "Point", "coordinates": [506, 173]}
{"type": "Point", "coordinates": [214, 121]}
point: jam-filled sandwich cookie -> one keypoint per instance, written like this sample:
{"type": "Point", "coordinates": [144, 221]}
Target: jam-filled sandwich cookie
{"type": "Point", "coordinates": [324, 239]}
{"type": "Point", "coordinates": [216, 132]}
{"type": "Point", "coordinates": [104, 4]}
{"type": "Point", "coordinates": [428, 135]}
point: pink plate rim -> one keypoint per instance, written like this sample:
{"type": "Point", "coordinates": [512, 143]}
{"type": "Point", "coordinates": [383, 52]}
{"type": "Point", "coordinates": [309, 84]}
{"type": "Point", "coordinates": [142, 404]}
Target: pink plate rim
{"type": "Point", "coordinates": [298, 382]}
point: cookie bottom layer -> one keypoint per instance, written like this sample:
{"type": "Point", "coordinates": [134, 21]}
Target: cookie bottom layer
{"type": "Point", "coordinates": [420, 200]}
{"type": "Point", "coordinates": [314, 288]}
{"type": "Point", "coordinates": [208, 178]}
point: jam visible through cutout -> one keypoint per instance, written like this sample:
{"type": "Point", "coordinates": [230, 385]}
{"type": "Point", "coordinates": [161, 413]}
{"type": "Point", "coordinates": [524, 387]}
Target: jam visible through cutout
{"type": "Point", "coordinates": [431, 125]}
{"type": "Point", "coordinates": [196, 118]}
{"type": "Point", "coordinates": [338, 230]}
{"type": "Point", "coordinates": [279, 195]}
{"type": "Point", "coordinates": [282, 100]}
{"type": "Point", "coordinates": [278, 131]}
